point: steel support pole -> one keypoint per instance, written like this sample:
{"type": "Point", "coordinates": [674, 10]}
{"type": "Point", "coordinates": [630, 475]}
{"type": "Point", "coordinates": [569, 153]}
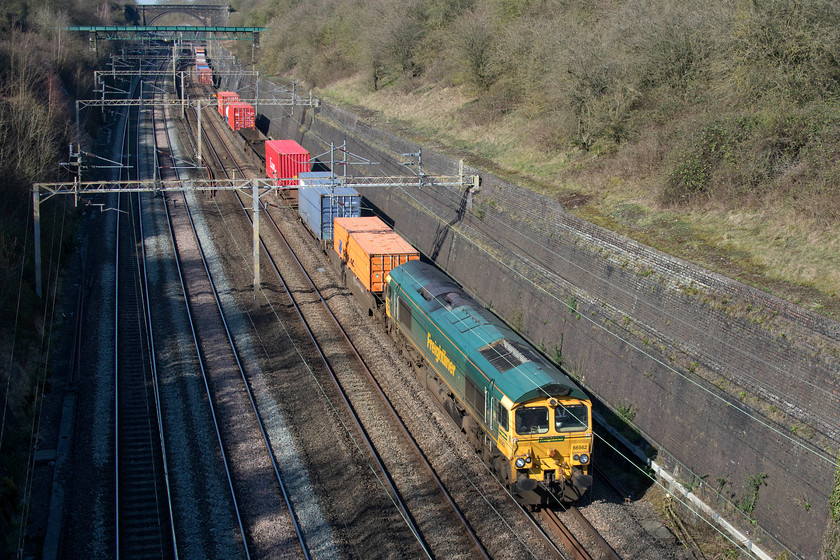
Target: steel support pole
{"type": "Point", "coordinates": [199, 131]}
{"type": "Point", "coordinates": [332, 168]}
{"type": "Point", "coordinates": [174, 67]}
{"type": "Point", "coordinates": [78, 129]}
{"type": "Point", "coordinates": [256, 197]}
{"type": "Point", "coordinates": [36, 213]}
{"type": "Point", "coordinates": [183, 98]}
{"type": "Point", "coordinates": [257, 97]}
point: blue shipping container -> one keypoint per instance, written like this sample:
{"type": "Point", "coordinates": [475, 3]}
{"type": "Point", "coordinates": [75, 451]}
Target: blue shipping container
{"type": "Point", "coordinates": [319, 205]}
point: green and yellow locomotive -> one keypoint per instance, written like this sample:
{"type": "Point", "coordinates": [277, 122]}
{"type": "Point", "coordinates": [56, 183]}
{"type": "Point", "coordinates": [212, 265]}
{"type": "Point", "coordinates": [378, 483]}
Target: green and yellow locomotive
{"type": "Point", "coordinates": [529, 421]}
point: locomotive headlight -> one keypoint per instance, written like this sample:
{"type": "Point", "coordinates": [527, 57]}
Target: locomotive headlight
{"type": "Point", "coordinates": [520, 463]}
{"type": "Point", "coordinates": [584, 458]}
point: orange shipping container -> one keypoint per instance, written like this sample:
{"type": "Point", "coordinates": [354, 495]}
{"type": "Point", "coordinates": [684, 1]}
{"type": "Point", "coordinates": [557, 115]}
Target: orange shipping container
{"type": "Point", "coordinates": [370, 249]}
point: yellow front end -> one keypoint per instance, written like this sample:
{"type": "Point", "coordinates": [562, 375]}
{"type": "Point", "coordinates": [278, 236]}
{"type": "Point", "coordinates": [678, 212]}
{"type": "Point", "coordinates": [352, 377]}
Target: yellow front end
{"type": "Point", "coordinates": [551, 450]}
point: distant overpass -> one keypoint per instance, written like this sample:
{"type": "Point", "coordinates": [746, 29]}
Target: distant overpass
{"type": "Point", "coordinates": [206, 14]}
{"type": "Point", "coordinates": [186, 32]}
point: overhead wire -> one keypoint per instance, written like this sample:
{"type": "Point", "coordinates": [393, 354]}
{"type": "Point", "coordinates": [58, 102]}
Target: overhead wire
{"type": "Point", "coordinates": [279, 321]}
{"type": "Point", "coordinates": [822, 456]}
{"type": "Point", "coordinates": [656, 481]}
{"type": "Point", "coordinates": [599, 437]}
{"type": "Point", "coordinates": [15, 326]}
{"type": "Point", "coordinates": [550, 273]}
{"type": "Point", "coordinates": [687, 324]}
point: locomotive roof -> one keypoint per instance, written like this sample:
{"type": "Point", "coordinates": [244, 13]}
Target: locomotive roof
{"type": "Point", "coordinates": [519, 370]}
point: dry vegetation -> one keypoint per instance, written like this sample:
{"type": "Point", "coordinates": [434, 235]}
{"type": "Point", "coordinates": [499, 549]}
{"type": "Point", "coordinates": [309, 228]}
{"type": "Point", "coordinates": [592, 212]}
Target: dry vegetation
{"type": "Point", "coordinates": [42, 68]}
{"type": "Point", "coordinates": [708, 129]}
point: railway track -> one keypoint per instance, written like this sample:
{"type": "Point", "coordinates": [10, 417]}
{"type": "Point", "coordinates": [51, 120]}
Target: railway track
{"type": "Point", "coordinates": [572, 543]}
{"type": "Point", "coordinates": [143, 526]}
{"type": "Point", "coordinates": [221, 154]}
{"type": "Point", "coordinates": [219, 161]}
{"type": "Point", "coordinates": [216, 133]}
{"type": "Point", "coordinates": [265, 514]}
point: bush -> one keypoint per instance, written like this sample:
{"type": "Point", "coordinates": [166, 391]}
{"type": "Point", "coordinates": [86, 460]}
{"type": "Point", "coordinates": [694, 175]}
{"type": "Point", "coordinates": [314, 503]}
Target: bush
{"type": "Point", "coordinates": [472, 46]}
{"type": "Point", "coordinates": [671, 42]}
{"type": "Point", "coordinates": [787, 47]}
{"type": "Point", "coordinates": [708, 153]}
{"type": "Point", "coordinates": [748, 89]}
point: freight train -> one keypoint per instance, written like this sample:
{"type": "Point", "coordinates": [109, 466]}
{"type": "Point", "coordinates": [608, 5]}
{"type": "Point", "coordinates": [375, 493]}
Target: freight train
{"type": "Point", "coordinates": [204, 74]}
{"type": "Point", "coordinates": [526, 419]}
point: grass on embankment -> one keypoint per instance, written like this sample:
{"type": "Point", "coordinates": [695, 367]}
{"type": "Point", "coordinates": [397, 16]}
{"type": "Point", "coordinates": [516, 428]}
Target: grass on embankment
{"type": "Point", "coordinates": [764, 242]}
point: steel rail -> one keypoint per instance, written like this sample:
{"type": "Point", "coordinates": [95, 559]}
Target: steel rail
{"type": "Point", "coordinates": [369, 443]}
{"type": "Point", "coordinates": [123, 149]}
{"type": "Point", "coordinates": [152, 355]}
{"type": "Point", "coordinates": [561, 530]}
{"type": "Point", "coordinates": [249, 392]}
{"type": "Point", "coordinates": [395, 494]}
{"type": "Point", "coordinates": [117, 363]}
{"type": "Point", "coordinates": [605, 547]}
{"type": "Point", "coordinates": [191, 321]}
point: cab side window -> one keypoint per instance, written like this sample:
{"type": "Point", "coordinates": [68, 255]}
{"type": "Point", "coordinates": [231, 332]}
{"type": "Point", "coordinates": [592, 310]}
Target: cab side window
{"type": "Point", "coordinates": [501, 416]}
{"type": "Point", "coordinates": [404, 313]}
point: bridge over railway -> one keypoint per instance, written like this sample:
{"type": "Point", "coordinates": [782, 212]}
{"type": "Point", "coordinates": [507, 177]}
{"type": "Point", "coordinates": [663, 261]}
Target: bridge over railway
{"type": "Point", "coordinates": [207, 14]}
{"type": "Point", "coordinates": [175, 33]}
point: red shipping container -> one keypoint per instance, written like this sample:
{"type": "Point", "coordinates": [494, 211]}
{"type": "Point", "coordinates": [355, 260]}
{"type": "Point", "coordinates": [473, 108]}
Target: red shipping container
{"type": "Point", "coordinates": [226, 97]}
{"type": "Point", "coordinates": [240, 115]}
{"type": "Point", "coordinates": [205, 75]}
{"type": "Point", "coordinates": [284, 159]}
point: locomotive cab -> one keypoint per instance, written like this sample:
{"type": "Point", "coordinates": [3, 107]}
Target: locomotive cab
{"type": "Point", "coordinates": [551, 450]}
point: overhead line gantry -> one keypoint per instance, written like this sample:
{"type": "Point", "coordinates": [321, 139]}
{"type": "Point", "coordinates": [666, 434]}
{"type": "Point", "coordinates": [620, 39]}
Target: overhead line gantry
{"type": "Point", "coordinates": [168, 32]}
{"type": "Point", "coordinates": [186, 32]}
{"type": "Point", "coordinates": [468, 182]}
